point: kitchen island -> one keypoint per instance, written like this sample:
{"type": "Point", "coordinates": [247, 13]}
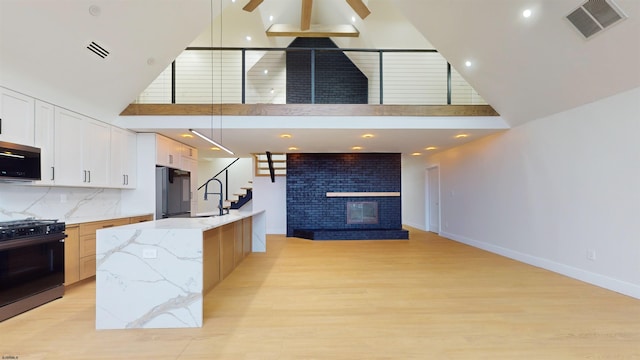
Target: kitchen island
{"type": "Point", "coordinates": [155, 274]}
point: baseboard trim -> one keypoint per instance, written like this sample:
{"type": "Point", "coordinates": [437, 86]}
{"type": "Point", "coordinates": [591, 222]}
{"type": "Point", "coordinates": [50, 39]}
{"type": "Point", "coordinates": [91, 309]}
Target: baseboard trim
{"type": "Point", "coordinates": [592, 278]}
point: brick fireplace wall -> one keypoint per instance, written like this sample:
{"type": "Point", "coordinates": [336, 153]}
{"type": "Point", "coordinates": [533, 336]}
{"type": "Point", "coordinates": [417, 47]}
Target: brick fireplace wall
{"type": "Point", "coordinates": [311, 176]}
{"type": "Point", "coordinates": [338, 80]}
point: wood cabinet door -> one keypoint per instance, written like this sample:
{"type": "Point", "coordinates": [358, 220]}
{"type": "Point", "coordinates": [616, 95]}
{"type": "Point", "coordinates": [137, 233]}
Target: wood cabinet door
{"type": "Point", "coordinates": [71, 256]}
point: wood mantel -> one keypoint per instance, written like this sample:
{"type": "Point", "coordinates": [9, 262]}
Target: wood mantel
{"type": "Point", "coordinates": [308, 110]}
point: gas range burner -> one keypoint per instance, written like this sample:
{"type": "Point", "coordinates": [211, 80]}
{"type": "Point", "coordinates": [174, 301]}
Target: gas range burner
{"type": "Point", "coordinates": [16, 229]}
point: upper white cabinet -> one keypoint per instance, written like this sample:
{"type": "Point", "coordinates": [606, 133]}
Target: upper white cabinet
{"type": "Point", "coordinates": [123, 158]}
{"type": "Point", "coordinates": [82, 150]}
{"type": "Point", "coordinates": [169, 152]}
{"type": "Point", "coordinates": [45, 140]}
{"type": "Point", "coordinates": [16, 117]}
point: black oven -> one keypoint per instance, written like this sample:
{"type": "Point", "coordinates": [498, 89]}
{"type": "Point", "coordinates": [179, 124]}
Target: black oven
{"type": "Point", "coordinates": [31, 264]}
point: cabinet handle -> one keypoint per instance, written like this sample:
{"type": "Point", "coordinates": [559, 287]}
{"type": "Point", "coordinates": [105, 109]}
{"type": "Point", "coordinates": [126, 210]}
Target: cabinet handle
{"type": "Point", "coordinates": [127, 179]}
{"type": "Point", "coordinates": [85, 176]}
{"type": "Point", "coordinates": [53, 173]}
{"type": "Point", "coordinates": [89, 175]}
{"type": "Point", "coordinates": [170, 159]}
{"type": "Point", "coordinates": [0, 125]}
{"type": "Point", "coordinates": [124, 179]}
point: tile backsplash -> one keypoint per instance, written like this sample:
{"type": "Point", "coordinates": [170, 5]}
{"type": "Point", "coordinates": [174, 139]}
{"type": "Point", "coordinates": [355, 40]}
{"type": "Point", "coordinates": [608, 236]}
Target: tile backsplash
{"type": "Point", "coordinates": [62, 203]}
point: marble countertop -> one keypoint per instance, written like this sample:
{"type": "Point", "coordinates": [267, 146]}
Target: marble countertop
{"type": "Point", "coordinates": [79, 220]}
{"type": "Point", "coordinates": [202, 222]}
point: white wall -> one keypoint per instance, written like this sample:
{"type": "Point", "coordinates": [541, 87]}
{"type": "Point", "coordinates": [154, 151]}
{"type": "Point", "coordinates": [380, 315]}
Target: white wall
{"type": "Point", "coordinates": [552, 190]}
{"type": "Point", "coordinates": [271, 197]}
{"type": "Point", "coordinates": [413, 192]}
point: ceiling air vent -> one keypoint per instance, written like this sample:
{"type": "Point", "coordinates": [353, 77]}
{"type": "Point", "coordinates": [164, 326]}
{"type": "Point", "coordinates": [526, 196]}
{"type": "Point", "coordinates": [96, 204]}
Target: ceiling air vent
{"type": "Point", "coordinates": [98, 50]}
{"type": "Point", "coordinates": [594, 16]}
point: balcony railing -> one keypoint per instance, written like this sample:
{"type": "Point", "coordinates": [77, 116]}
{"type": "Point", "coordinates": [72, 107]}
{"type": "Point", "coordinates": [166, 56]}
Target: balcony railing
{"type": "Point", "coordinates": [259, 76]}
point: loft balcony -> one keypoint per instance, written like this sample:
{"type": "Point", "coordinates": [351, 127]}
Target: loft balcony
{"type": "Point", "coordinates": [301, 80]}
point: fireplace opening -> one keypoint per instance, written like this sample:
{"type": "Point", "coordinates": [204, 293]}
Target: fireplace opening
{"type": "Point", "coordinates": [362, 212]}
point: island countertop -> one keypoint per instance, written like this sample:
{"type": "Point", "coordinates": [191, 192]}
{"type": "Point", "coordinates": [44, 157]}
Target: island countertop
{"type": "Point", "coordinates": [203, 222]}
{"type": "Point", "coordinates": [155, 274]}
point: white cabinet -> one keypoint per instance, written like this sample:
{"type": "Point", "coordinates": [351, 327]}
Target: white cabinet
{"type": "Point", "coordinates": [16, 117]}
{"type": "Point", "coordinates": [45, 140]}
{"type": "Point", "coordinates": [168, 151]}
{"type": "Point", "coordinates": [123, 158]}
{"type": "Point", "coordinates": [188, 152]}
{"type": "Point", "coordinates": [81, 150]}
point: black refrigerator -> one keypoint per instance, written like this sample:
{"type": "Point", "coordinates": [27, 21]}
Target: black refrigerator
{"type": "Point", "coordinates": [173, 193]}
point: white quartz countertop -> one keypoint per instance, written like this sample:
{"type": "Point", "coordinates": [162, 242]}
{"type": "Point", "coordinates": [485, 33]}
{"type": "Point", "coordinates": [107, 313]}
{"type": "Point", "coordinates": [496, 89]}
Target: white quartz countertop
{"type": "Point", "coordinates": [202, 223]}
{"type": "Point", "coordinates": [79, 220]}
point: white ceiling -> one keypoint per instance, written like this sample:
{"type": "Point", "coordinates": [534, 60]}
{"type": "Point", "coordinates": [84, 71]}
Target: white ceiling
{"type": "Point", "coordinates": [525, 68]}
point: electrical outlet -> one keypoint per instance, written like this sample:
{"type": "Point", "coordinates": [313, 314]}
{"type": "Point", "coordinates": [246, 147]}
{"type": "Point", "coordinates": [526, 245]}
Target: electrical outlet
{"type": "Point", "coordinates": [149, 253]}
{"type": "Point", "coordinates": [591, 254]}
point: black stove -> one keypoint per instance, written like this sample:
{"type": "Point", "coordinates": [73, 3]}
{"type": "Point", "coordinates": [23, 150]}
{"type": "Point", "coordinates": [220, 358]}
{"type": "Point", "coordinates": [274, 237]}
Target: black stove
{"type": "Point", "coordinates": [17, 229]}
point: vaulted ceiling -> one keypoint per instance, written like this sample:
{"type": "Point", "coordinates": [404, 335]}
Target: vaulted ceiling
{"type": "Point", "coordinates": [526, 68]}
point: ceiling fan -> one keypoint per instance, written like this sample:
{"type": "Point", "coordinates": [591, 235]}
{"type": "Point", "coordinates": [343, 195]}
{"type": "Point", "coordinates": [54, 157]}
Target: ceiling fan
{"type": "Point", "coordinates": [305, 21]}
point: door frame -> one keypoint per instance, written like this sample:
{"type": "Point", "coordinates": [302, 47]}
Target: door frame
{"type": "Point", "coordinates": [427, 199]}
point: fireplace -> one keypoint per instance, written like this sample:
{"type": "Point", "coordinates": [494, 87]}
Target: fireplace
{"type": "Point", "coordinates": [362, 212]}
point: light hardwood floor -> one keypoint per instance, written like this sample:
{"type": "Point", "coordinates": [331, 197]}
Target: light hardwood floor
{"type": "Point", "coordinates": [426, 298]}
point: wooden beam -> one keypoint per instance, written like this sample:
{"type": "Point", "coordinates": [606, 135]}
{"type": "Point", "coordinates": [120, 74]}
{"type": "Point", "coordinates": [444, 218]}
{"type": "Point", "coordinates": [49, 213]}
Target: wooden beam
{"type": "Point", "coordinates": [359, 7]}
{"type": "Point", "coordinates": [308, 110]}
{"type": "Point", "coordinates": [252, 5]}
{"type": "Point", "coordinates": [305, 17]}
{"type": "Point", "coordinates": [315, 30]}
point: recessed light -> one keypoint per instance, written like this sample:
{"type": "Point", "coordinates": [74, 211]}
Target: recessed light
{"type": "Point", "coordinates": [293, 148]}
{"type": "Point", "coordinates": [429, 148]}
{"type": "Point", "coordinates": [215, 148]}
{"type": "Point", "coordinates": [462, 136]}
{"type": "Point", "coordinates": [368, 136]}
{"type": "Point", "coordinates": [270, 17]}
{"type": "Point", "coordinates": [416, 154]}
{"type": "Point", "coordinates": [272, 90]}
{"type": "Point", "coordinates": [356, 148]}
{"type": "Point", "coordinates": [286, 136]}
{"type": "Point", "coordinates": [186, 135]}
{"type": "Point", "coordinates": [526, 13]}
{"type": "Point", "coordinates": [353, 19]}
{"type": "Point", "coordinates": [266, 71]}
{"type": "Point", "coordinates": [248, 38]}
{"type": "Point", "coordinates": [467, 63]}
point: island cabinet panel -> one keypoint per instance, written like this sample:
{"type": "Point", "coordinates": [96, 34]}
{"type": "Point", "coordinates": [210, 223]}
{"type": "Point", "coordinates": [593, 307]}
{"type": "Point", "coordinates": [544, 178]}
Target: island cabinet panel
{"type": "Point", "coordinates": [227, 249]}
{"type": "Point", "coordinates": [71, 255]}
{"type": "Point", "coordinates": [237, 240]}
{"type": "Point", "coordinates": [211, 259]}
{"type": "Point", "coordinates": [246, 236]}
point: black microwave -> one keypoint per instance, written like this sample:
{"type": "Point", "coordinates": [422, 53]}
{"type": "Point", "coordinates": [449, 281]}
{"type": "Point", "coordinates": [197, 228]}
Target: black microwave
{"type": "Point", "coordinates": [19, 162]}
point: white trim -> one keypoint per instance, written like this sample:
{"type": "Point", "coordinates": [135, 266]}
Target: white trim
{"type": "Point", "coordinates": [427, 203]}
{"type": "Point", "coordinates": [603, 281]}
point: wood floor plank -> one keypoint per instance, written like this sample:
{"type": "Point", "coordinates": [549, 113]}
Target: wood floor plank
{"type": "Point", "coordinates": [425, 298]}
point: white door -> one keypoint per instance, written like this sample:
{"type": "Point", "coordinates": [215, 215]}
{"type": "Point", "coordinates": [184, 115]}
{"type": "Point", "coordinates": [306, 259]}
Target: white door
{"type": "Point", "coordinates": [433, 191]}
